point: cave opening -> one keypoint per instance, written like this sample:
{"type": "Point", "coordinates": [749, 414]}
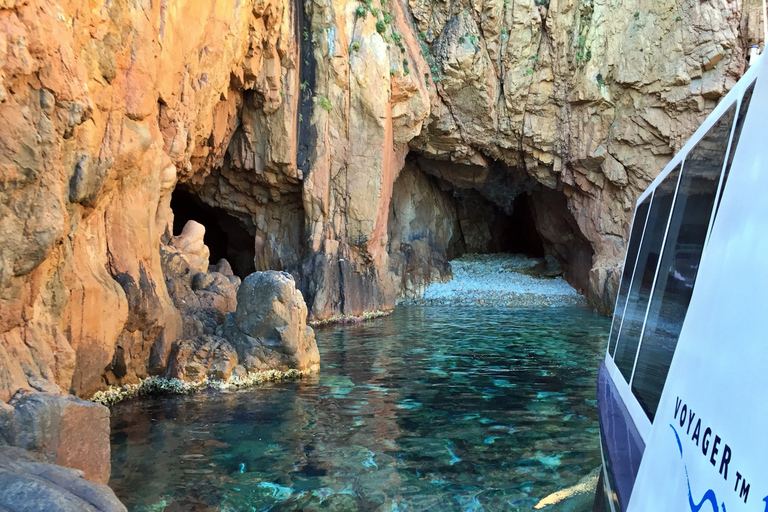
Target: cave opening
{"type": "Point", "coordinates": [442, 210]}
{"type": "Point", "coordinates": [486, 227]}
{"type": "Point", "coordinates": [536, 223]}
{"type": "Point", "coordinates": [226, 236]}
{"type": "Point", "coordinates": [523, 236]}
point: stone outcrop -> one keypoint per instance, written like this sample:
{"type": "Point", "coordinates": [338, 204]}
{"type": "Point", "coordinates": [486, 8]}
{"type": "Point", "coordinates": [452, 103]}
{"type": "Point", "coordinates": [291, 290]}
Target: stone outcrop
{"type": "Point", "coordinates": [27, 484]}
{"type": "Point", "coordinates": [62, 430]}
{"type": "Point", "coordinates": [267, 331]}
{"type": "Point", "coordinates": [295, 121]}
{"type": "Point", "coordinates": [269, 328]}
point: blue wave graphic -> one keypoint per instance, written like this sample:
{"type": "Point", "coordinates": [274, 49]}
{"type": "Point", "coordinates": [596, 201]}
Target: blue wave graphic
{"type": "Point", "coordinates": [709, 496]}
{"type": "Point", "coordinates": [679, 444]}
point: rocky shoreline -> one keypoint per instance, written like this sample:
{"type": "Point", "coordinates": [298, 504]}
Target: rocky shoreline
{"type": "Point", "coordinates": [154, 386]}
{"type": "Point", "coordinates": [502, 280]}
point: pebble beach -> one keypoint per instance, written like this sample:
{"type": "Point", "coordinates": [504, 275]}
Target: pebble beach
{"type": "Point", "coordinates": [508, 280]}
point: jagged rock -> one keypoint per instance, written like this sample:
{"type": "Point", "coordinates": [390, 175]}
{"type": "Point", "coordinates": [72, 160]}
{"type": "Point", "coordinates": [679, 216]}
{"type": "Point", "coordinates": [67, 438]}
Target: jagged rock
{"type": "Point", "coordinates": [423, 232]}
{"type": "Point", "coordinates": [269, 329]}
{"type": "Point", "coordinates": [27, 485]}
{"type": "Point", "coordinates": [203, 298]}
{"type": "Point", "coordinates": [222, 267]}
{"type": "Point", "coordinates": [202, 357]}
{"type": "Point", "coordinates": [190, 243]}
{"type": "Point", "coordinates": [62, 430]}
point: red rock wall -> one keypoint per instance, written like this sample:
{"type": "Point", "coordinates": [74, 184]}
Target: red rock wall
{"type": "Point", "coordinates": [106, 108]}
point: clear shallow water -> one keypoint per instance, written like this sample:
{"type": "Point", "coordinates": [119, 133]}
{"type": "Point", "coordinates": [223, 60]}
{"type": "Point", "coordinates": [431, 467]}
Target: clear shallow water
{"type": "Point", "coordinates": [428, 409]}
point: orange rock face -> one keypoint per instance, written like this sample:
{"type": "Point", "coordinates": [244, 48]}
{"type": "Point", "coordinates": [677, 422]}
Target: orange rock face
{"type": "Point", "coordinates": [292, 123]}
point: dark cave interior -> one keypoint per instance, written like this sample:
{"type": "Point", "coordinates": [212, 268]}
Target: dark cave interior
{"type": "Point", "coordinates": [509, 233]}
{"type": "Point", "coordinates": [225, 235]}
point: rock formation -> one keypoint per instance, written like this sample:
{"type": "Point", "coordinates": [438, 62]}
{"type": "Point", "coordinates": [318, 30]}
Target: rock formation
{"type": "Point", "coordinates": [26, 484]}
{"type": "Point", "coordinates": [61, 430]}
{"type": "Point", "coordinates": [356, 145]}
{"type": "Point", "coordinates": [267, 331]}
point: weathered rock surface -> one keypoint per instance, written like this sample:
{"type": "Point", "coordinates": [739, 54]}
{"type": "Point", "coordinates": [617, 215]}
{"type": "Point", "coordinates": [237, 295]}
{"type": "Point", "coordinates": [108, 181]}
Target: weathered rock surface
{"type": "Point", "coordinates": [28, 485]}
{"type": "Point", "coordinates": [268, 331]}
{"type": "Point", "coordinates": [62, 430]}
{"type": "Point", "coordinates": [294, 120]}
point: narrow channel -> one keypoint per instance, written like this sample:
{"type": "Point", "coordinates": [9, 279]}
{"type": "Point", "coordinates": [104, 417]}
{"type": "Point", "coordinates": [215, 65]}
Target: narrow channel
{"type": "Point", "coordinates": [431, 408]}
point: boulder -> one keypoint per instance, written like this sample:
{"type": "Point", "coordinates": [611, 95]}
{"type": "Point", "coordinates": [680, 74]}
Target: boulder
{"type": "Point", "coordinates": [61, 429]}
{"type": "Point", "coordinates": [190, 243]}
{"type": "Point", "coordinates": [28, 485]}
{"type": "Point", "coordinates": [552, 266]}
{"type": "Point", "coordinates": [194, 359]}
{"type": "Point", "coordinates": [269, 329]}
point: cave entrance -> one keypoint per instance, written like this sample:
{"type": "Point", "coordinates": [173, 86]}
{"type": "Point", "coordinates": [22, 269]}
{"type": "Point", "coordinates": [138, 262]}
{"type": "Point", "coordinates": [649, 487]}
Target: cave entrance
{"type": "Point", "coordinates": [522, 236]}
{"type": "Point", "coordinates": [225, 235]}
{"type": "Point", "coordinates": [488, 228]}
{"type": "Point", "coordinates": [442, 210]}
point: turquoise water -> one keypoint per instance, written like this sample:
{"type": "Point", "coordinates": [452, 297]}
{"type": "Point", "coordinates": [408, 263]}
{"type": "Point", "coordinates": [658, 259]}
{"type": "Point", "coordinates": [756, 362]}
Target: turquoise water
{"type": "Point", "coordinates": [433, 408]}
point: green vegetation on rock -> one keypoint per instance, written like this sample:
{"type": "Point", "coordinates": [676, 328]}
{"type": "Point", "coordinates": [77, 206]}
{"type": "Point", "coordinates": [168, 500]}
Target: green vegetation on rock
{"type": "Point", "coordinates": [325, 103]}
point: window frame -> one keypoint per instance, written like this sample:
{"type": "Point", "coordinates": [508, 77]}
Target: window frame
{"type": "Point", "coordinates": [624, 386]}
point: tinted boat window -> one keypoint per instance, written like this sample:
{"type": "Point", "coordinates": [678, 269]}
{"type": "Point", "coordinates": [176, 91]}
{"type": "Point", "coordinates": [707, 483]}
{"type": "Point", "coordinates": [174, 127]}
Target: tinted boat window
{"type": "Point", "coordinates": [745, 100]}
{"type": "Point", "coordinates": [629, 266]}
{"type": "Point", "coordinates": [680, 261]}
{"type": "Point", "coordinates": [645, 271]}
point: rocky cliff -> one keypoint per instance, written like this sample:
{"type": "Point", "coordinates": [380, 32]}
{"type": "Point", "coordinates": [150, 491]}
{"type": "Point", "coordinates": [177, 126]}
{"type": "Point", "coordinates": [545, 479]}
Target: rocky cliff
{"type": "Point", "coordinates": [356, 145]}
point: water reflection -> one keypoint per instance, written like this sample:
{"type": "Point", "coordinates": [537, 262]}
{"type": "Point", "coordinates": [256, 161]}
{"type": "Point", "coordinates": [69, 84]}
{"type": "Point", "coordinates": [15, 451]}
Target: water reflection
{"type": "Point", "coordinates": [428, 409]}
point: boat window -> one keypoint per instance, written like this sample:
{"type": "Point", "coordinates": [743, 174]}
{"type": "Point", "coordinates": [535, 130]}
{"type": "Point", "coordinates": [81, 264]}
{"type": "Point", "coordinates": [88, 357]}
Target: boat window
{"type": "Point", "coordinates": [745, 100]}
{"type": "Point", "coordinates": [680, 261]}
{"type": "Point", "coordinates": [641, 213]}
{"type": "Point", "coordinates": [645, 272]}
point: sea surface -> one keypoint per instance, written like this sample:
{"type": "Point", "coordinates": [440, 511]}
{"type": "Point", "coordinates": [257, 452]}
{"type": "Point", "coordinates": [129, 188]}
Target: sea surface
{"type": "Point", "coordinates": [431, 408]}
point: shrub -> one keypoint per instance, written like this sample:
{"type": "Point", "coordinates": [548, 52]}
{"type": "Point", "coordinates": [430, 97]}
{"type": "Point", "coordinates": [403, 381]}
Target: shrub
{"type": "Point", "coordinates": [387, 17]}
{"type": "Point", "coordinates": [325, 104]}
{"type": "Point", "coordinates": [360, 11]}
{"type": "Point", "coordinates": [380, 27]}
{"type": "Point", "coordinates": [355, 47]}
{"type": "Point", "coordinates": [637, 14]}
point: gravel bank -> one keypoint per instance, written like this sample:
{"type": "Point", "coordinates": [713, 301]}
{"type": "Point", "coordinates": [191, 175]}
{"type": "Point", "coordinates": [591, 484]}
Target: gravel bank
{"type": "Point", "coordinates": [511, 280]}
